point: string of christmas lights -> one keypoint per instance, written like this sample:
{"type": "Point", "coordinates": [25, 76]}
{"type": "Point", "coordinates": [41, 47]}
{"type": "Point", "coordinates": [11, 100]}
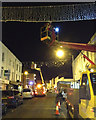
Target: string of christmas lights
{"type": "Point", "coordinates": [86, 11]}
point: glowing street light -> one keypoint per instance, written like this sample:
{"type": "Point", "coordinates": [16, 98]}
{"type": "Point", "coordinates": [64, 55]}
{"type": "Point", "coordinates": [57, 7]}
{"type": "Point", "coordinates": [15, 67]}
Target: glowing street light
{"type": "Point", "coordinates": [39, 85]}
{"type": "Point", "coordinates": [56, 29]}
{"type": "Point", "coordinates": [59, 53]}
{"type": "Point", "coordinates": [31, 82]}
{"type": "Point", "coordinates": [26, 73]}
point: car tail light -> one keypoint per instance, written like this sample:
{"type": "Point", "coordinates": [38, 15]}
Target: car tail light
{"type": "Point", "coordinates": [11, 97]}
{"type": "Point", "coordinates": [43, 92]}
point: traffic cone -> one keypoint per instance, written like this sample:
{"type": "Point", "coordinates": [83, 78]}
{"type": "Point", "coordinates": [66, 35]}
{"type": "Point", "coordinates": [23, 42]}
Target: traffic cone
{"type": "Point", "coordinates": [59, 104]}
{"type": "Point", "coordinates": [57, 110]}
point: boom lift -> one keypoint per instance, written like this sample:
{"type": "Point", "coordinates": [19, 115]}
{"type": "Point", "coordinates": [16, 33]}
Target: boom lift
{"type": "Point", "coordinates": [80, 103]}
{"type": "Point", "coordinates": [49, 36]}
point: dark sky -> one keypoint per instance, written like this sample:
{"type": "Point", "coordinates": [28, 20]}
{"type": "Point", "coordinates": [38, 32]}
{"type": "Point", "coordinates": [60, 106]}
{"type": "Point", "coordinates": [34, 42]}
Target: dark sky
{"type": "Point", "coordinates": [23, 39]}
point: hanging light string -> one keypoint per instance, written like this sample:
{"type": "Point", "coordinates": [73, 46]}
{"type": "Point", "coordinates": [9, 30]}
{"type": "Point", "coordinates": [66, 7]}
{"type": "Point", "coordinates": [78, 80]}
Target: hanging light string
{"type": "Point", "coordinates": [56, 13]}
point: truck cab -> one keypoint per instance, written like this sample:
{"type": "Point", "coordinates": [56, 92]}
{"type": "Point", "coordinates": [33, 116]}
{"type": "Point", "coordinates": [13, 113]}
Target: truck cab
{"type": "Point", "coordinates": [87, 94]}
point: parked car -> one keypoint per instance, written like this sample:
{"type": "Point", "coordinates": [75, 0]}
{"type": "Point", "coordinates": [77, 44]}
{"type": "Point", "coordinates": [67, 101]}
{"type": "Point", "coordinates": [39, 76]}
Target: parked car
{"type": "Point", "coordinates": [14, 97]}
{"type": "Point", "coordinates": [27, 93]}
{"type": "Point", "coordinates": [4, 106]}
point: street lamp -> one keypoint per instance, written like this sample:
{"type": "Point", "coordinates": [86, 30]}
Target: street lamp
{"type": "Point", "coordinates": [59, 53]}
{"type": "Point", "coordinates": [25, 73]}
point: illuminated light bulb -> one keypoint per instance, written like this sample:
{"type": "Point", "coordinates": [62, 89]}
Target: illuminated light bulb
{"type": "Point", "coordinates": [56, 29]}
{"type": "Point", "coordinates": [59, 53]}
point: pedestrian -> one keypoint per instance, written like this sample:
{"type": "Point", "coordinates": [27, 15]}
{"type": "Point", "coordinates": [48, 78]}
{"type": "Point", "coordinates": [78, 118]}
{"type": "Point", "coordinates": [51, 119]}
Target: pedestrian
{"type": "Point", "coordinates": [64, 94]}
{"type": "Point", "coordinates": [59, 97]}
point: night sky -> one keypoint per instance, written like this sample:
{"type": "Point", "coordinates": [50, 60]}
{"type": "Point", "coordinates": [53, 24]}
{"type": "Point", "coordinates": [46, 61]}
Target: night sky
{"type": "Point", "coordinates": [23, 39]}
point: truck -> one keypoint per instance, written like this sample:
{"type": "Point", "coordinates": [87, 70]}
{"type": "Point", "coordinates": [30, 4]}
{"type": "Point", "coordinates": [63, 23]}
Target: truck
{"type": "Point", "coordinates": [40, 90]}
{"type": "Point", "coordinates": [81, 103]}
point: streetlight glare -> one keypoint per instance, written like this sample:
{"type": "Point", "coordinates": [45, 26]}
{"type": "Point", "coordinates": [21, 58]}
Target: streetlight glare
{"type": "Point", "coordinates": [39, 85]}
{"type": "Point", "coordinates": [26, 72]}
{"type": "Point", "coordinates": [59, 53]}
{"type": "Point", "coordinates": [56, 29]}
{"type": "Point", "coordinates": [31, 83]}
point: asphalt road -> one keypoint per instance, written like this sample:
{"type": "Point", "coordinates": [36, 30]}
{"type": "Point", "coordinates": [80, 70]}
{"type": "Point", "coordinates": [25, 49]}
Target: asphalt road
{"type": "Point", "coordinates": [37, 107]}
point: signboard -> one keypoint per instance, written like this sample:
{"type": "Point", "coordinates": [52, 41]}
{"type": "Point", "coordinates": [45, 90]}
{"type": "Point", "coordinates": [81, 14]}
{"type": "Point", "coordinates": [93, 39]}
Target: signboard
{"type": "Point", "coordinates": [64, 85]}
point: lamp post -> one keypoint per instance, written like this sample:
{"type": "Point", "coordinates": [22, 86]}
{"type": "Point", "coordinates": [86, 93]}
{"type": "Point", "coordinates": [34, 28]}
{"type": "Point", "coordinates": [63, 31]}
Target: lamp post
{"type": "Point", "coordinates": [25, 73]}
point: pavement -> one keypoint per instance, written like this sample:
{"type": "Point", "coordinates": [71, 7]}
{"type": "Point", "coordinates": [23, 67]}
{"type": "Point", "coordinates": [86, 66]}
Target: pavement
{"type": "Point", "coordinates": [62, 110]}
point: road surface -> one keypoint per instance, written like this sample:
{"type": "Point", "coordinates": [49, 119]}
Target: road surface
{"type": "Point", "coordinates": [37, 107]}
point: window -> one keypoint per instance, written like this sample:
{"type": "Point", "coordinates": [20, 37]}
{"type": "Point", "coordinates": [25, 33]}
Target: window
{"type": "Point", "coordinates": [93, 80]}
{"type": "Point", "coordinates": [84, 79]}
{"type": "Point", "coordinates": [13, 64]}
{"type": "Point", "coordinates": [17, 67]}
{"type": "Point", "coordinates": [16, 76]}
{"type": "Point", "coordinates": [2, 72]}
{"type": "Point", "coordinates": [3, 57]}
{"type": "Point", "coordinates": [85, 83]}
{"type": "Point", "coordinates": [87, 54]}
{"type": "Point", "coordinates": [9, 62]}
{"type": "Point", "coordinates": [26, 90]}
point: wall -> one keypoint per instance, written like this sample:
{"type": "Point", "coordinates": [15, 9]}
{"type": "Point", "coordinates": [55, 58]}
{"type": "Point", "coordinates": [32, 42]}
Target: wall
{"type": "Point", "coordinates": [11, 63]}
{"type": "Point", "coordinates": [80, 63]}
